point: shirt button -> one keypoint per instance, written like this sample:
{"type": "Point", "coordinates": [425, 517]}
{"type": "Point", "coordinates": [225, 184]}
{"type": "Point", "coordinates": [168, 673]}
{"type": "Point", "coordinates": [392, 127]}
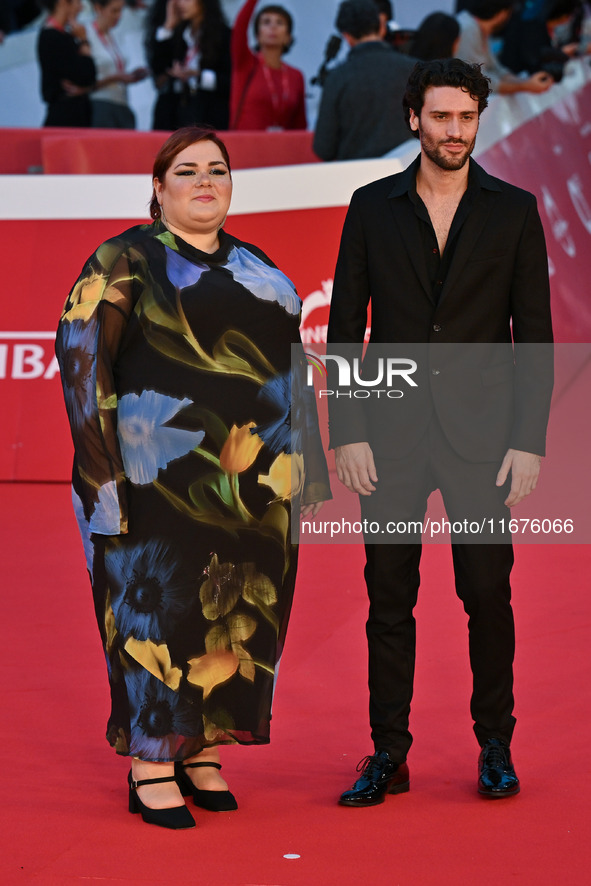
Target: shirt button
{"type": "Point", "coordinates": [436, 327]}
{"type": "Point", "coordinates": [435, 372]}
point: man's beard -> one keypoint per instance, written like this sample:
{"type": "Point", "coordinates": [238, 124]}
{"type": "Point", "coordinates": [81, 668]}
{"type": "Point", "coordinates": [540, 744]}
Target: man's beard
{"type": "Point", "coordinates": [452, 161]}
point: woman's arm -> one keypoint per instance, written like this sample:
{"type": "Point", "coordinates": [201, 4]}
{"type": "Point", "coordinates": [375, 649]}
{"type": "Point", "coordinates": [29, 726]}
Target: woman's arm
{"type": "Point", "coordinates": [89, 336]}
{"type": "Point", "coordinates": [241, 53]}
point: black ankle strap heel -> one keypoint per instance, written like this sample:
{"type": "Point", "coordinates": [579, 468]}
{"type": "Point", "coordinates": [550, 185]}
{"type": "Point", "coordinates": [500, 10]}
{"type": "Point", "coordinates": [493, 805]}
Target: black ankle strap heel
{"type": "Point", "coordinates": [213, 801]}
{"type": "Point", "coordinates": [175, 817]}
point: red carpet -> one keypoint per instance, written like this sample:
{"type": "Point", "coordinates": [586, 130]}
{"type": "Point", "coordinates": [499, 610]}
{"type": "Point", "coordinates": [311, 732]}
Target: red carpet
{"type": "Point", "coordinates": [63, 810]}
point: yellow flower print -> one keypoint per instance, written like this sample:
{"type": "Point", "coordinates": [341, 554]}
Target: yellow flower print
{"type": "Point", "coordinates": [226, 583]}
{"type": "Point", "coordinates": [88, 289]}
{"type": "Point", "coordinates": [240, 449]}
{"type": "Point", "coordinates": [211, 669]}
{"type": "Point", "coordinates": [110, 626]}
{"type": "Point", "coordinates": [218, 728]}
{"type": "Point", "coordinates": [155, 658]}
{"type": "Point", "coordinates": [286, 475]}
{"type": "Point", "coordinates": [220, 591]}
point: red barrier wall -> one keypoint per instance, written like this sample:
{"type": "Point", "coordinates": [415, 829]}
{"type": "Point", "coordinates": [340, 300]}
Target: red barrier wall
{"type": "Point", "coordinates": [549, 155]}
{"type": "Point", "coordinates": [59, 151]}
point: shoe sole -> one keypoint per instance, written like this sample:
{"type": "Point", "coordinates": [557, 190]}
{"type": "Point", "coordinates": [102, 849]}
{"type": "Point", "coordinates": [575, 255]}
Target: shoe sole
{"type": "Point", "coordinates": [498, 795]}
{"type": "Point", "coordinates": [395, 789]}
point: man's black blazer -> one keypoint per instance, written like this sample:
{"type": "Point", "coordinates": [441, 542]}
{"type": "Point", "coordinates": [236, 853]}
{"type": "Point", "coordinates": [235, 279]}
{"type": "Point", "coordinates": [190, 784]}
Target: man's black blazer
{"type": "Point", "coordinates": [488, 395]}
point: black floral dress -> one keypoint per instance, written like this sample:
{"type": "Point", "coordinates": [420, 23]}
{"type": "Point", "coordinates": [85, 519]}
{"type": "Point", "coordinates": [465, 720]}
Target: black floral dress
{"type": "Point", "coordinates": [179, 384]}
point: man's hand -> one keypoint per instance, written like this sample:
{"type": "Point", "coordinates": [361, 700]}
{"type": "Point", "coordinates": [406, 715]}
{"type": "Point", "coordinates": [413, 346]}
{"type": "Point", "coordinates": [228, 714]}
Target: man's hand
{"type": "Point", "coordinates": [525, 468]}
{"type": "Point", "coordinates": [356, 468]}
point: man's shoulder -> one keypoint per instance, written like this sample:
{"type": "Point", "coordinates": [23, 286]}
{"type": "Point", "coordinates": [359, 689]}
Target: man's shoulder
{"type": "Point", "coordinates": [517, 196]}
{"type": "Point", "coordinates": [383, 187]}
{"type": "Point", "coordinates": [377, 54]}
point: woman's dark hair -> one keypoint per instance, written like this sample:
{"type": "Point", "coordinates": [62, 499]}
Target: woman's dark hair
{"type": "Point", "coordinates": [213, 30]}
{"type": "Point", "coordinates": [49, 5]}
{"type": "Point", "coordinates": [277, 10]}
{"type": "Point", "coordinates": [174, 144]}
{"type": "Point", "coordinates": [435, 37]}
{"type": "Point", "coordinates": [444, 72]}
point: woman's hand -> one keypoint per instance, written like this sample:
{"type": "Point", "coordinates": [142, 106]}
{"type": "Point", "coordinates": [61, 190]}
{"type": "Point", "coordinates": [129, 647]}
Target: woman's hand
{"type": "Point", "coordinates": [311, 509]}
{"type": "Point", "coordinates": [179, 72]}
{"type": "Point", "coordinates": [138, 74]}
{"type": "Point", "coordinates": [72, 90]}
{"type": "Point", "coordinates": [78, 31]}
{"type": "Point", "coordinates": [132, 76]}
{"type": "Point", "coordinates": [173, 16]}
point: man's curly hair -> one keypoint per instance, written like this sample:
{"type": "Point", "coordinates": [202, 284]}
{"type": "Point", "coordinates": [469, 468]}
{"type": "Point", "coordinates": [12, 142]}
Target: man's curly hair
{"type": "Point", "coordinates": [444, 72]}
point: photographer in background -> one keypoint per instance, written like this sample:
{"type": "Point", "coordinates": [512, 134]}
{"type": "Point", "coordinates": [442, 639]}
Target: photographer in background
{"type": "Point", "coordinates": [360, 112]}
{"type": "Point", "coordinates": [398, 38]}
{"type": "Point", "coordinates": [438, 36]}
{"type": "Point", "coordinates": [531, 43]}
{"type": "Point", "coordinates": [479, 22]}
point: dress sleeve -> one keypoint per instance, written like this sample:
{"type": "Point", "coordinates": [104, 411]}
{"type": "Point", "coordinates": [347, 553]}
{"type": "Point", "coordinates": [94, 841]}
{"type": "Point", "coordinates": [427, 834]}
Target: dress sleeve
{"type": "Point", "coordinates": [88, 339]}
{"type": "Point", "coordinates": [306, 431]}
{"type": "Point", "coordinates": [347, 322]}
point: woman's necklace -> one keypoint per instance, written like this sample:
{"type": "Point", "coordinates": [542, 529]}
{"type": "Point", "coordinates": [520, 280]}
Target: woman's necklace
{"type": "Point", "coordinates": [279, 102]}
{"type": "Point", "coordinates": [111, 47]}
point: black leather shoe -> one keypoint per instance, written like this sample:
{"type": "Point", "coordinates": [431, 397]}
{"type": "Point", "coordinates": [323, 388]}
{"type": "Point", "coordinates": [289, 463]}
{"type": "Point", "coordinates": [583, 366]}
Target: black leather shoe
{"type": "Point", "coordinates": [496, 775]}
{"type": "Point", "coordinates": [175, 817]}
{"type": "Point", "coordinates": [379, 776]}
{"type": "Point", "coordinates": [213, 801]}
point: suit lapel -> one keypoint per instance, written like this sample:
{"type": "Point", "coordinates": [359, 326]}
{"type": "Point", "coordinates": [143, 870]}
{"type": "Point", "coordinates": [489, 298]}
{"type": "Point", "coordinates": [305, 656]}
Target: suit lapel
{"type": "Point", "coordinates": [468, 238]}
{"type": "Point", "coordinates": [406, 220]}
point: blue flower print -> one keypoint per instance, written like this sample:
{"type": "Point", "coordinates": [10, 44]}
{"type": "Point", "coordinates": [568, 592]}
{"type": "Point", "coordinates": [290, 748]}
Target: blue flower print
{"type": "Point", "coordinates": [75, 351]}
{"type": "Point", "coordinates": [149, 591]}
{"type": "Point", "coordinates": [159, 717]}
{"type": "Point", "coordinates": [265, 282]}
{"type": "Point", "coordinates": [180, 271]}
{"type": "Point", "coordinates": [83, 528]}
{"type": "Point", "coordinates": [293, 401]}
{"type": "Point", "coordinates": [106, 517]}
{"type": "Point", "coordinates": [276, 434]}
{"type": "Point", "coordinates": [147, 444]}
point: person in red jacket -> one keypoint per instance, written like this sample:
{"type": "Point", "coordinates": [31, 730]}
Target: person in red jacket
{"type": "Point", "coordinates": [266, 93]}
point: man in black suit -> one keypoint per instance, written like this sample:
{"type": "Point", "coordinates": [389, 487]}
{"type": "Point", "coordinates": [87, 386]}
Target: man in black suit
{"type": "Point", "coordinates": [453, 259]}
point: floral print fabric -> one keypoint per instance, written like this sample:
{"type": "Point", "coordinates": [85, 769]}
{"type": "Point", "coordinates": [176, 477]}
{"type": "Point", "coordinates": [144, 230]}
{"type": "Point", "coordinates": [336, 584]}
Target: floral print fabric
{"type": "Point", "coordinates": [177, 381]}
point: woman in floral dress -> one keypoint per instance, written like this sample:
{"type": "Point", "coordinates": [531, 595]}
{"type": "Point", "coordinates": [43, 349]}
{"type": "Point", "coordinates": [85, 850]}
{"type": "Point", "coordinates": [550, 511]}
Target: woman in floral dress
{"type": "Point", "coordinates": [175, 353]}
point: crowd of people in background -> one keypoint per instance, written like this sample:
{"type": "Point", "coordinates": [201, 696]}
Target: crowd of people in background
{"type": "Point", "coordinates": [208, 73]}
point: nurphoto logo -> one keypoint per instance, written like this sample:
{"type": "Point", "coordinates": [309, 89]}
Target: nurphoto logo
{"type": "Point", "coordinates": [387, 372]}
